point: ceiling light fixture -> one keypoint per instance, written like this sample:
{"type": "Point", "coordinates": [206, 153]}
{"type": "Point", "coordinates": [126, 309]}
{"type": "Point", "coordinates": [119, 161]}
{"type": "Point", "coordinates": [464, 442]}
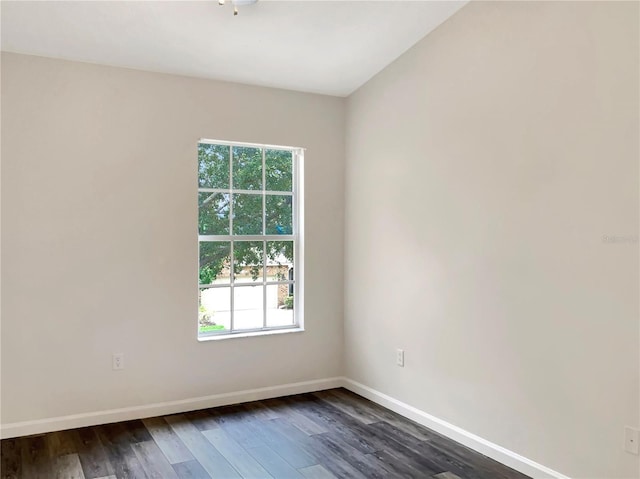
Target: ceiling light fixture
{"type": "Point", "coordinates": [237, 3]}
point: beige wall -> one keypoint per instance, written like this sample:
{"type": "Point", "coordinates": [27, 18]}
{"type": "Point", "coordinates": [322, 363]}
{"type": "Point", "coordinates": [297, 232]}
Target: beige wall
{"type": "Point", "coordinates": [487, 163]}
{"type": "Point", "coordinates": [98, 234]}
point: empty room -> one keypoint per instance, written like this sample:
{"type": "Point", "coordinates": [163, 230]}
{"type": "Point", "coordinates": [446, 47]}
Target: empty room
{"type": "Point", "coordinates": [319, 239]}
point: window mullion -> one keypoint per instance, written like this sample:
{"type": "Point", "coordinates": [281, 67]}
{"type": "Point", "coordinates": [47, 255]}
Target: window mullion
{"type": "Point", "coordinates": [264, 243]}
{"type": "Point", "coordinates": [246, 238]}
{"type": "Point", "coordinates": [264, 198]}
{"type": "Point", "coordinates": [264, 284]}
{"type": "Point", "coordinates": [295, 188]}
{"type": "Point", "coordinates": [244, 192]}
{"type": "Point", "coordinates": [231, 257]}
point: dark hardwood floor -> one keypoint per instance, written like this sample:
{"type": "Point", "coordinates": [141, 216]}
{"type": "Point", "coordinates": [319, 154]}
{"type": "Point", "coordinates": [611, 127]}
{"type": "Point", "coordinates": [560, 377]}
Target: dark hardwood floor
{"type": "Point", "coordinates": [329, 434]}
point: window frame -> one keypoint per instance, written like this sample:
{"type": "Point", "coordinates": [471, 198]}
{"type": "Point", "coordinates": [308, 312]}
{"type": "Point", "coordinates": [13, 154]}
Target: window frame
{"type": "Point", "coordinates": [297, 222]}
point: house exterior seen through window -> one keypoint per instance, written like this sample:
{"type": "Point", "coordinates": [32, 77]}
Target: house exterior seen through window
{"type": "Point", "coordinates": [248, 238]}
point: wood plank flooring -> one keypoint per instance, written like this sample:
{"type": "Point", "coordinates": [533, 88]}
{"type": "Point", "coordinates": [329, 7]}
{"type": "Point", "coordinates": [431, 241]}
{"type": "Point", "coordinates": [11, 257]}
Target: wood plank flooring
{"type": "Point", "coordinates": [324, 435]}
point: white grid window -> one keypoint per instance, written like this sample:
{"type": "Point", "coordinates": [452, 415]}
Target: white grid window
{"type": "Point", "coordinates": [248, 237]}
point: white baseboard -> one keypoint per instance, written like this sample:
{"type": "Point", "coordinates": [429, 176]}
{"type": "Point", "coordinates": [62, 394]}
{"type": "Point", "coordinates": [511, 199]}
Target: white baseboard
{"type": "Point", "coordinates": [489, 449]}
{"type": "Point", "coordinates": [61, 423]}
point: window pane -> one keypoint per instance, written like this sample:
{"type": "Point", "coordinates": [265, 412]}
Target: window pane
{"type": "Point", "coordinates": [213, 213]}
{"type": "Point", "coordinates": [248, 307]}
{"type": "Point", "coordinates": [214, 262]}
{"type": "Point", "coordinates": [247, 261]}
{"type": "Point", "coordinates": [247, 168]}
{"type": "Point", "coordinates": [247, 214]}
{"type": "Point", "coordinates": [214, 310]}
{"type": "Point", "coordinates": [279, 305]}
{"type": "Point", "coordinates": [279, 170]}
{"type": "Point", "coordinates": [279, 260]}
{"type": "Point", "coordinates": [213, 166]}
{"type": "Point", "coordinates": [279, 215]}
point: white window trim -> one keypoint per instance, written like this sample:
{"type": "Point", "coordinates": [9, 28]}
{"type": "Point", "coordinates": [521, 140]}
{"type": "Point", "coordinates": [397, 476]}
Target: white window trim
{"type": "Point", "coordinates": [297, 237]}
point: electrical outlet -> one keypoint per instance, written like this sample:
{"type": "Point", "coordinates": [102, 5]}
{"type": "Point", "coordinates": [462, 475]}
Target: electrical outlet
{"type": "Point", "coordinates": [118, 361]}
{"type": "Point", "coordinates": [631, 440]}
{"type": "Point", "coordinates": [400, 357]}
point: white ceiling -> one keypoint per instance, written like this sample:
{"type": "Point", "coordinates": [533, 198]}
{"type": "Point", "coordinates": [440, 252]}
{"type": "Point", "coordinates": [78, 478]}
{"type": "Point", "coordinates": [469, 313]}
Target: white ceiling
{"type": "Point", "coordinates": [330, 47]}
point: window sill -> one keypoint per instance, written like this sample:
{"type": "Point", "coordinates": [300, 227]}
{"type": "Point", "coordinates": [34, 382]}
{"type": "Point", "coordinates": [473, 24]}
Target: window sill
{"type": "Point", "coordinates": [249, 334]}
